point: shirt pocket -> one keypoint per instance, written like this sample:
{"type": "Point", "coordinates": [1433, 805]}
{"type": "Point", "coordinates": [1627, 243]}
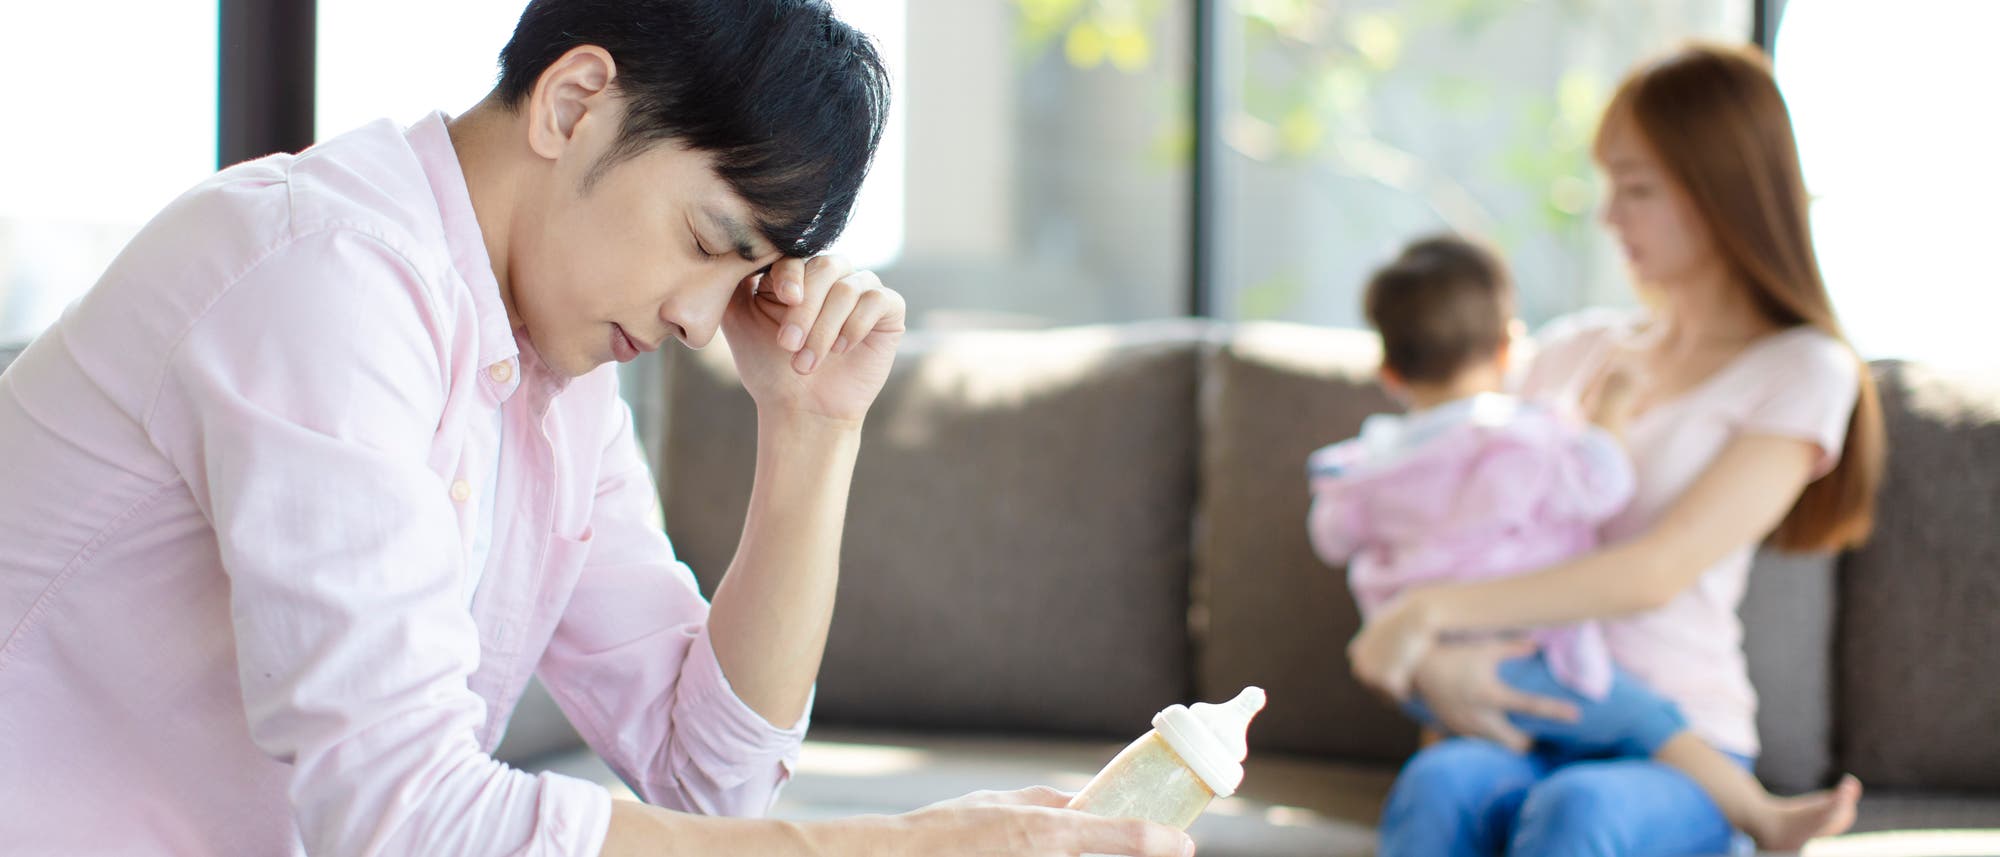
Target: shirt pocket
{"type": "Point", "coordinates": [562, 566]}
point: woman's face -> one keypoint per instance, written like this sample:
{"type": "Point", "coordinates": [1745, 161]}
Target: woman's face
{"type": "Point", "coordinates": [1665, 240]}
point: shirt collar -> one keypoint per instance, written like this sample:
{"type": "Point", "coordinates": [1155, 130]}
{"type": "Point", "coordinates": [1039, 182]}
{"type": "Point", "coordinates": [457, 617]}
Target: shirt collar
{"type": "Point", "coordinates": [431, 140]}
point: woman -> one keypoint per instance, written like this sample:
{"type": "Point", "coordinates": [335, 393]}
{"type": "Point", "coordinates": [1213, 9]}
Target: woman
{"type": "Point", "coordinates": [1755, 420]}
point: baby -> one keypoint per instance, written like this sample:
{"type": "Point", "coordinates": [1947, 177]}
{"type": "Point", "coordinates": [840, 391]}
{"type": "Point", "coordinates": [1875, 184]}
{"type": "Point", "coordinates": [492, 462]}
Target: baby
{"type": "Point", "coordinates": [1475, 484]}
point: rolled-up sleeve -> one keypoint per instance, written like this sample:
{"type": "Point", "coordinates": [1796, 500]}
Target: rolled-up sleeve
{"type": "Point", "coordinates": [631, 663]}
{"type": "Point", "coordinates": [300, 409]}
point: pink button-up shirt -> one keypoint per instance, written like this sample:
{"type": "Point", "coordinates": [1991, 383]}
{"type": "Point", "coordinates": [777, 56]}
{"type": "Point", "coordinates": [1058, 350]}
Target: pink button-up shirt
{"type": "Point", "coordinates": [241, 481]}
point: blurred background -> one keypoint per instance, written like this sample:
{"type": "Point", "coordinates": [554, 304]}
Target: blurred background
{"type": "Point", "coordinates": [1073, 161]}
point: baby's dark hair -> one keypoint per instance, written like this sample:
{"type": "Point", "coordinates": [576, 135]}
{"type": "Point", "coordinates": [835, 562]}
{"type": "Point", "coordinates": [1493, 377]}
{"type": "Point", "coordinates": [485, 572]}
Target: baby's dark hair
{"type": "Point", "coordinates": [1441, 306]}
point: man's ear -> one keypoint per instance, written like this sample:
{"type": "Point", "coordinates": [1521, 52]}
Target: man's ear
{"type": "Point", "coordinates": [574, 87]}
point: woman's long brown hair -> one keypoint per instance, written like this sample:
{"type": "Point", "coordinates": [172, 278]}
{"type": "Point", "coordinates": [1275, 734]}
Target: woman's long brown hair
{"type": "Point", "coordinates": [1714, 117]}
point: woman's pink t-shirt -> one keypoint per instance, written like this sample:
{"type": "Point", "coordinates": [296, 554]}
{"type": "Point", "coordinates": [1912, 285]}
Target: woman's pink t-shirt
{"type": "Point", "coordinates": [1798, 383]}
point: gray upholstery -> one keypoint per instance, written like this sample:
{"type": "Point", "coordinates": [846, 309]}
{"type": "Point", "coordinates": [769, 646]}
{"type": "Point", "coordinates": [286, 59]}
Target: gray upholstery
{"type": "Point", "coordinates": [1016, 553]}
{"type": "Point", "coordinates": [1920, 604]}
{"type": "Point", "coordinates": [1788, 627]}
{"type": "Point", "coordinates": [537, 727]}
{"type": "Point", "coordinates": [1269, 612]}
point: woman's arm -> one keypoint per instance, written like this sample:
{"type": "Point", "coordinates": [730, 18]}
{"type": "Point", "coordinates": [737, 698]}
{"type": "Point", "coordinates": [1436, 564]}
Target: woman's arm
{"type": "Point", "coordinates": [1738, 500]}
{"type": "Point", "coordinates": [1742, 496]}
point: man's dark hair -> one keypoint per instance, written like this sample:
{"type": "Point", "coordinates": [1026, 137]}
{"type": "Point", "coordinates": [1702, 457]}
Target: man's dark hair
{"type": "Point", "coordinates": [1442, 305]}
{"type": "Point", "coordinates": [788, 99]}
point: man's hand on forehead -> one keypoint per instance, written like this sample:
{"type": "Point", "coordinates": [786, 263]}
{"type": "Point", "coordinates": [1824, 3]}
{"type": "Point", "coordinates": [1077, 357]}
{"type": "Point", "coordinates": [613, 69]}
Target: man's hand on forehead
{"type": "Point", "coordinates": [831, 329]}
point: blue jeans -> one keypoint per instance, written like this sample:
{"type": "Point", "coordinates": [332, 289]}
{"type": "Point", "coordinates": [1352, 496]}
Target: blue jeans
{"type": "Point", "coordinates": [1588, 787]}
{"type": "Point", "coordinates": [1467, 797]}
{"type": "Point", "coordinates": [1631, 721]}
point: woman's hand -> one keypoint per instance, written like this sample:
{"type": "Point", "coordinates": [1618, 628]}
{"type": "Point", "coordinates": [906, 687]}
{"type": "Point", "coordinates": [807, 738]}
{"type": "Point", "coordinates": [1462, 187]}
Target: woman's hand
{"type": "Point", "coordinates": [1391, 645]}
{"type": "Point", "coordinates": [1027, 823]}
{"type": "Point", "coordinates": [1612, 398]}
{"type": "Point", "coordinates": [1460, 683]}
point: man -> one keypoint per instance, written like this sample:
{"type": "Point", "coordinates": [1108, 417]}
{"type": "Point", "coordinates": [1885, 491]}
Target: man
{"type": "Point", "coordinates": [330, 461]}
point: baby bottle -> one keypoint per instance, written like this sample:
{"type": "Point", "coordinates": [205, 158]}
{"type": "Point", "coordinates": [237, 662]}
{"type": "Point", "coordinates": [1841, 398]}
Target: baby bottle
{"type": "Point", "coordinates": [1193, 756]}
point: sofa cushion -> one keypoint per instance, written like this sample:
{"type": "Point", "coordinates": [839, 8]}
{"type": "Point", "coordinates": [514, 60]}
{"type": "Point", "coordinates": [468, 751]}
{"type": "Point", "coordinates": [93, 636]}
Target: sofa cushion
{"type": "Point", "coordinates": [1016, 550]}
{"type": "Point", "coordinates": [1788, 624]}
{"type": "Point", "coordinates": [1919, 640]}
{"type": "Point", "coordinates": [1267, 611]}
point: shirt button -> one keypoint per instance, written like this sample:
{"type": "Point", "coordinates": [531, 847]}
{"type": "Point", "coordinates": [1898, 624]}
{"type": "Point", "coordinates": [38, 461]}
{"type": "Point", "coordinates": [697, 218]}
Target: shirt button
{"type": "Point", "coordinates": [501, 372]}
{"type": "Point", "coordinates": [461, 491]}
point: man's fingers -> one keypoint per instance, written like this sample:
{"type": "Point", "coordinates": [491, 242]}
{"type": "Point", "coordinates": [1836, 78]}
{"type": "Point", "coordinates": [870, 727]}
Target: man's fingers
{"type": "Point", "coordinates": [786, 281]}
{"type": "Point", "coordinates": [838, 305]}
{"type": "Point", "coordinates": [1089, 834]}
{"type": "Point", "coordinates": [1040, 796]}
{"type": "Point", "coordinates": [819, 274]}
{"type": "Point", "coordinates": [791, 280]}
{"type": "Point", "coordinates": [879, 310]}
{"type": "Point", "coordinates": [1031, 796]}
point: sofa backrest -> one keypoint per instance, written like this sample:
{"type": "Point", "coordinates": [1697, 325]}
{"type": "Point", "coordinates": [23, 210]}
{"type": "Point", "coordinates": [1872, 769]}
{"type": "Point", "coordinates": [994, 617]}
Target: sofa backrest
{"type": "Point", "coordinates": [1919, 628]}
{"type": "Point", "coordinates": [1016, 551]}
{"type": "Point", "coordinates": [1065, 530]}
{"type": "Point", "coordinates": [1269, 612]}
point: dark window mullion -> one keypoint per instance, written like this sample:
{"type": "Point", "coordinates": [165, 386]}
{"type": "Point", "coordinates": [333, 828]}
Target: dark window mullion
{"type": "Point", "coordinates": [265, 78]}
{"type": "Point", "coordinates": [1764, 18]}
{"type": "Point", "coordinates": [1205, 190]}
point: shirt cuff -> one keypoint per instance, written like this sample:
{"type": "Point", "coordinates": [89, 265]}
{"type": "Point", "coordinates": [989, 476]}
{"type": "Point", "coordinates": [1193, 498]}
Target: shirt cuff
{"type": "Point", "coordinates": [574, 817]}
{"type": "Point", "coordinates": [721, 733]}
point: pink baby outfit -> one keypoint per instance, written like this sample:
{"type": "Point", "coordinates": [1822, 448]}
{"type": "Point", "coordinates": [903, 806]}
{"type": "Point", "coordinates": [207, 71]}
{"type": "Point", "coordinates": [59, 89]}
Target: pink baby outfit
{"type": "Point", "coordinates": [1475, 489]}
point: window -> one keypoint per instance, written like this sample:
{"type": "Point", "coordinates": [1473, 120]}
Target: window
{"type": "Point", "coordinates": [437, 55]}
{"type": "Point", "coordinates": [1898, 155]}
{"type": "Point", "coordinates": [1037, 168]}
{"type": "Point", "coordinates": [108, 125]}
{"type": "Point", "coordinates": [1349, 128]}
{"type": "Point", "coordinates": [1046, 164]}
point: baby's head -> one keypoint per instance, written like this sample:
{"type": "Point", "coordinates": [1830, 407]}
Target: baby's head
{"type": "Point", "coordinates": [1445, 311]}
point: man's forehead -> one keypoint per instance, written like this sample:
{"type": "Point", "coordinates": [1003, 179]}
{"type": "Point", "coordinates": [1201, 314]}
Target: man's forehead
{"type": "Point", "coordinates": [716, 202]}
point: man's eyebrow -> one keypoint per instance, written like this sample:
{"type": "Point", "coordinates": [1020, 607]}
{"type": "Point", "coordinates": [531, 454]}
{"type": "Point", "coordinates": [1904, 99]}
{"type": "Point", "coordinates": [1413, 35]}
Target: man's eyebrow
{"type": "Point", "coordinates": [740, 236]}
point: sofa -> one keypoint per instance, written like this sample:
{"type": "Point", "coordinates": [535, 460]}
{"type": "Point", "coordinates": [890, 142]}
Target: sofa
{"type": "Point", "coordinates": [1053, 534]}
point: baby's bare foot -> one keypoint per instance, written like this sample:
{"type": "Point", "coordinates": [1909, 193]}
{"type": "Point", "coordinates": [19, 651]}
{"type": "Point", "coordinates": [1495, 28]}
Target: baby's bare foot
{"type": "Point", "coordinates": [1792, 821]}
